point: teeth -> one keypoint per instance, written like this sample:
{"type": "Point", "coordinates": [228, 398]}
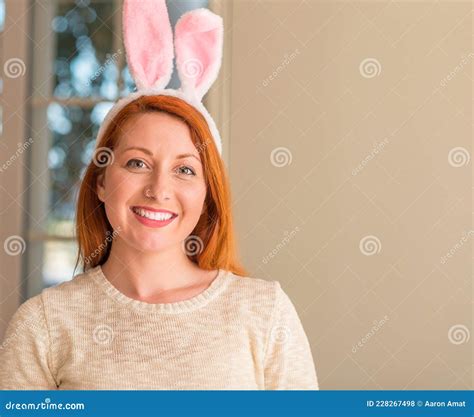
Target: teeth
{"type": "Point", "coordinates": [153, 215]}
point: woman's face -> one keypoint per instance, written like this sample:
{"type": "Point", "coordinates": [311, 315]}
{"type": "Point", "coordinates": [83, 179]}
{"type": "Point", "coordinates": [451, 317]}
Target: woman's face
{"type": "Point", "coordinates": [149, 171]}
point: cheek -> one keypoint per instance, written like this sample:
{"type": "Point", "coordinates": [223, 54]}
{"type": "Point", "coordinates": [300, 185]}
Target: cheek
{"type": "Point", "coordinates": [118, 191]}
{"type": "Point", "coordinates": [121, 185]}
{"type": "Point", "coordinates": [192, 198]}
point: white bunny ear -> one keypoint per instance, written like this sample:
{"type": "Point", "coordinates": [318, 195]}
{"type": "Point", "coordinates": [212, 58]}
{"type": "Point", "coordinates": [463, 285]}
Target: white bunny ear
{"type": "Point", "coordinates": [148, 41]}
{"type": "Point", "coordinates": [198, 43]}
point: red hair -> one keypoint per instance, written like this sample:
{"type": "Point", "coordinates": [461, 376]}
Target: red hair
{"type": "Point", "coordinates": [215, 226]}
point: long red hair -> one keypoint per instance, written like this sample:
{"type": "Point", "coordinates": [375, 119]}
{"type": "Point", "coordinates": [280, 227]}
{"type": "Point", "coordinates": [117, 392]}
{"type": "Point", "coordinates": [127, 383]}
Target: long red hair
{"type": "Point", "coordinates": [214, 228]}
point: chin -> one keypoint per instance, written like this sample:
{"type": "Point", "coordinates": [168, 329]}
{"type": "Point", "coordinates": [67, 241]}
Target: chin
{"type": "Point", "coordinates": [153, 244]}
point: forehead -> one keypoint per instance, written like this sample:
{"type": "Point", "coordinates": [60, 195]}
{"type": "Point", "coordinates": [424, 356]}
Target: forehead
{"type": "Point", "coordinates": [156, 131]}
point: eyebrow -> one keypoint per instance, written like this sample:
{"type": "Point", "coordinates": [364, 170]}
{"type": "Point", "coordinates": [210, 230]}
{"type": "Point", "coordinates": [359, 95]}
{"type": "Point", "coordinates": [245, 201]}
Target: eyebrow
{"type": "Point", "coordinates": [148, 152]}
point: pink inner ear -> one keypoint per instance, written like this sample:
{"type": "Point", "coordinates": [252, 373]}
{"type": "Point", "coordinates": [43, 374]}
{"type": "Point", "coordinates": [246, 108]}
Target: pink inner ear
{"type": "Point", "coordinates": [199, 52]}
{"type": "Point", "coordinates": [148, 41]}
{"type": "Point", "coordinates": [198, 44]}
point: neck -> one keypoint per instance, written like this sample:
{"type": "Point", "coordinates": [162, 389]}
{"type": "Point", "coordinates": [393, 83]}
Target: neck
{"type": "Point", "coordinates": [147, 274]}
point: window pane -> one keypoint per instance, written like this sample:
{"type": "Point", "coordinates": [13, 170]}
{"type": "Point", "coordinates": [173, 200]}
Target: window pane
{"type": "Point", "coordinates": [59, 260]}
{"type": "Point", "coordinates": [73, 132]}
{"type": "Point", "coordinates": [2, 14]}
{"type": "Point", "coordinates": [85, 64]}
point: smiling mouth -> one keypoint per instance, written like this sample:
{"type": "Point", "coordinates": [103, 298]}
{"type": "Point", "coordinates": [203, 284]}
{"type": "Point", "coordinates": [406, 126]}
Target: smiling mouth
{"type": "Point", "coordinates": [153, 215]}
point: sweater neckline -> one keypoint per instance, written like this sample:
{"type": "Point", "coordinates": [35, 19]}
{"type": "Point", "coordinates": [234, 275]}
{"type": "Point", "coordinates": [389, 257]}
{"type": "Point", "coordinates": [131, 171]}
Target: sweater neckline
{"type": "Point", "coordinates": [217, 285]}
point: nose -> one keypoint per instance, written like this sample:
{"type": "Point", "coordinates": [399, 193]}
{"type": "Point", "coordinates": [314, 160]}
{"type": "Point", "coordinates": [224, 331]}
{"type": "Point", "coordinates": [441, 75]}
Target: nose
{"type": "Point", "coordinates": [159, 187]}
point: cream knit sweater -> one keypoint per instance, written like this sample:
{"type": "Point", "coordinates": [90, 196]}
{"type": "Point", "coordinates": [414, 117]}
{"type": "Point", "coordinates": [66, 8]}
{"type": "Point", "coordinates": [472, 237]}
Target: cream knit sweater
{"type": "Point", "coordinates": [238, 334]}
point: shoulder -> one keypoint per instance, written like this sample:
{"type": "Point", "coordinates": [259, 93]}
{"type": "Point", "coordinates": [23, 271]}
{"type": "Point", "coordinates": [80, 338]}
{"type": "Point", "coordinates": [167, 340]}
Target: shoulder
{"type": "Point", "coordinates": [80, 283]}
{"type": "Point", "coordinates": [262, 294]}
{"type": "Point", "coordinates": [31, 310]}
{"type": "Point", "coordinates": [254, 292]}
{"type": "Point", "coordinates": [67, 296]}
{"type": "Point", "coordinates": [28, 320]}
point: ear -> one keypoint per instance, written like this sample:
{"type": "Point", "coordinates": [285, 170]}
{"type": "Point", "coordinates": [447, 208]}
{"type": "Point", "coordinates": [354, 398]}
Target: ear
{"type": "Point", "coordinates": [148, 41]}
{"type": "Point", "coordinates": [100, 187]}
{"type": "Point", "coordinates": [198, 43]}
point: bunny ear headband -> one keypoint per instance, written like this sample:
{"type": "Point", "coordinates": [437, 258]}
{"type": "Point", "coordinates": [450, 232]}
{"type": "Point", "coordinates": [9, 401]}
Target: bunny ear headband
{"type": "Point", "coordinates": [148, 42]}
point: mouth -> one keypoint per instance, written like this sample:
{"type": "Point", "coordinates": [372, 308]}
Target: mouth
{"type": "Point", "coordinates": [152, 217]}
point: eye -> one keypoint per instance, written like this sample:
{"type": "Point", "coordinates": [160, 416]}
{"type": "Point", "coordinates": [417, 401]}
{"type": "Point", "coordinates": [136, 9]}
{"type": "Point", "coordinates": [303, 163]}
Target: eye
{"type": "Point", "coordinates": [189, 170]}
{"type": "Point", "coordinates": [136, 164]}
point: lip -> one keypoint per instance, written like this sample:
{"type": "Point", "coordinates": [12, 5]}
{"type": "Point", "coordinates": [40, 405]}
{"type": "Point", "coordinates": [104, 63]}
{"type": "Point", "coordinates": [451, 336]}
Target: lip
{"type": "Point", "coordinates": [150, 222]}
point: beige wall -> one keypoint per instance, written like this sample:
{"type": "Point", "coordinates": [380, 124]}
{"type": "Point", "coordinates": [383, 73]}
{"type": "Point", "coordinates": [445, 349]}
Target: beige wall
{"type": "Point", "coordinates": [362, 245]}
{"type": "Point", "coordinates": [14, 132]}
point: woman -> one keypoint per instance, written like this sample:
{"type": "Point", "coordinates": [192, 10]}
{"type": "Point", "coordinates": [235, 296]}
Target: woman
{"type": "Point", "coordinates": [163, 302]}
